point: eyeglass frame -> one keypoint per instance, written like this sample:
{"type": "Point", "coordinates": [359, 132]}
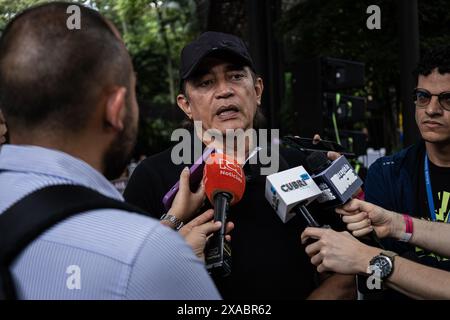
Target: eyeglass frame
{"type": "Point", "coordinates": [440, 96]}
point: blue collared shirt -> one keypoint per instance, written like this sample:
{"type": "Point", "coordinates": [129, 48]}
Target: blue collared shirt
{"type": "Point", "coordinates": [100, 254]}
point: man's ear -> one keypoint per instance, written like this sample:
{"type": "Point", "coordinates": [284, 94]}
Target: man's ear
{"type": "Point", "coordinates": [184, 105]}
{"type": "Point", "coordinates": [259, 88]}
{"type": "Point", "coordinates": [116, 108]}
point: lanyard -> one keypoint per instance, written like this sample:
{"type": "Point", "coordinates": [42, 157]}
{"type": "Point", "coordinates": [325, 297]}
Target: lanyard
{"type": "Point", "coordinates": [428, 187]}
{"type": "Point", "coordinates": [429, 192]}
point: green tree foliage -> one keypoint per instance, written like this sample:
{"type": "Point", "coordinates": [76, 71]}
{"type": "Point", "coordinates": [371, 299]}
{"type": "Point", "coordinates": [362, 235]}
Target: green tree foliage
{"type": "Point", "coordinates": [154, 33]}
{"type": "Point", "coordinates": [434, 18]}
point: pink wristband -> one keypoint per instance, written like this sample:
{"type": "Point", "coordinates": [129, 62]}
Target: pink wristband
{"type": "Point", "coordinates": [361, 195]}
{"type": "Point", "coordinates": [409, 228]}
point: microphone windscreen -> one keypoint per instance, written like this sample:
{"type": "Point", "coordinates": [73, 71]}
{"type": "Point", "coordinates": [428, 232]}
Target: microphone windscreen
{"type": "Point", "coordinates": [223, 174]}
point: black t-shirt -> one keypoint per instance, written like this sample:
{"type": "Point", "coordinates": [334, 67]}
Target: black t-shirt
{"type": "Point", "coordinates": [440, 186]}
{"type": "Point", "coordinates": [268, 260]}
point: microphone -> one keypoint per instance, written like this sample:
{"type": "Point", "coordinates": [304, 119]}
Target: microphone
{"type": "Point", "coordinates": [337, 180]}
{"type": "Point", "coordinates": [289, 192]}
{"type": "Point", "coordinates": [224, 182]}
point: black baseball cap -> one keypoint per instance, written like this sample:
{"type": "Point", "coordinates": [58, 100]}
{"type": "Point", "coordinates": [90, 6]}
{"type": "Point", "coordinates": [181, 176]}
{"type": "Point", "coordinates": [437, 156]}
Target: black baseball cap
{"type": "Point", "coordinates": [212, 42]}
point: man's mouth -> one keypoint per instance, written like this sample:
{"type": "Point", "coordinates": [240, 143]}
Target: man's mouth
{"type": "Point", "coordinates": [227, 112]}
{"type": "Point", "coordinates": [432, 124]}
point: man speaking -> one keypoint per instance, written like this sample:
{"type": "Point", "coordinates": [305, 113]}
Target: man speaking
{"type": "Point", "coordinates": [219, 88]}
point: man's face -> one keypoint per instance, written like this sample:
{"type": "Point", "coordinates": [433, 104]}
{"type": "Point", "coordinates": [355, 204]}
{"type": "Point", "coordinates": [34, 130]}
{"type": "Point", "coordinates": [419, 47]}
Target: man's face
{"type": "Point", "coordinates": [120, 151]}
{"type": "Point", "coordinates": [433, 121]}
{"type": "Point", "coordinates": [223, 96]}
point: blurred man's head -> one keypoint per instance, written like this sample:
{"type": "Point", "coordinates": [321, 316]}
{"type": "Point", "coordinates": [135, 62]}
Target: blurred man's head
{"type": "Point", "coordinates": [218, 83]}
{"type": "Point", "coordinates": [62, 87]}
{"type": "Point", "coordinates": [432, 96]}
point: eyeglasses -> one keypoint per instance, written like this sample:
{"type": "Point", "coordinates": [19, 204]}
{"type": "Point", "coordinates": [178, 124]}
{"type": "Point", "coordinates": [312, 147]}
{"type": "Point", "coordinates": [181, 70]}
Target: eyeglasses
{"type": "Point", "coordinates": [422, 98]}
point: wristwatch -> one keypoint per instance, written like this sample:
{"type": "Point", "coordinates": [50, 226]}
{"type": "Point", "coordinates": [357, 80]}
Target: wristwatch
{"type": "Point", "coordinates": [382, 264]}
{"type": "Point", "coordinates": [172, 219]}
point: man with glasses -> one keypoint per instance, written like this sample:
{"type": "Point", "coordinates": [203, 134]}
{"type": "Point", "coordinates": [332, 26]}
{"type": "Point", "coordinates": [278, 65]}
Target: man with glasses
{"type": "Point", "coordinates": [416, 181]}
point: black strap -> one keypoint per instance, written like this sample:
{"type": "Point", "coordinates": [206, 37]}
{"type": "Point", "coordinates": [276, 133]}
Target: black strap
{"type": "Point", "coordinates": [28, 218]}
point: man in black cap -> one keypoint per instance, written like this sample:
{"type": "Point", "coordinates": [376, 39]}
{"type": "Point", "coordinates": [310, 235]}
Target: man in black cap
{"type": "Point", "coordinates": [219, 58]}
{"type": "Point", "coordinates": [220, 88]}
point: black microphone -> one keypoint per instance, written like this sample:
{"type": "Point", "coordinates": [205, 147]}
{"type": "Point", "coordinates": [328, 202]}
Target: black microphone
{"type": "Point", "coordinates": [338, 182]}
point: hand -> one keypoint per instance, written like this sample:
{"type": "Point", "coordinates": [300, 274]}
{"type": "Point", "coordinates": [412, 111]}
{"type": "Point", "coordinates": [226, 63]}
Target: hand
{"type": "Point", "coordinates": [330, 154]}
{"type": "Point", "coordinates": [186, 204]}
{"type": "Point", "coordinates": [198, 231]}
{"type": "Point", "coordinates": [3, 129]}
{"type": "Point", "coordinates": [337, 251]}
{"type": "Point", "coordinates": [362, 217]}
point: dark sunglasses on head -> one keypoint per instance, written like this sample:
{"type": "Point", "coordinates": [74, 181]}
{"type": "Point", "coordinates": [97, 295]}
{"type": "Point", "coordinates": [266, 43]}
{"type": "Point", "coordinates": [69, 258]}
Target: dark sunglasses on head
{"type": "Point", "coordinates": [422, 98]}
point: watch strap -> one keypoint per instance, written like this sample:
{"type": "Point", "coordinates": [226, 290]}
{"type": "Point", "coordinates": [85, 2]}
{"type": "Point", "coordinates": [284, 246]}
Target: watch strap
{"type": "Point", "coordinates": [172, 219]}
{"type": "Point", "coordinates": [389, 255]}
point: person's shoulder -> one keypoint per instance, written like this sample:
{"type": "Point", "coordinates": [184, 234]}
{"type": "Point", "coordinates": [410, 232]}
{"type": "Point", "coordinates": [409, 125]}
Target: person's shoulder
{"type": "Point", "coordinates": [144, 259]}
{"type": "Point", "coordinates": [157, 160]}
{"type": "Point", "coordinates": [150, 170]}
{"type": "Point", "coordinates": [166, 268]}
{"type": "Point", "coordinates": [406, 157]}
{"type": "Point", "coordinates": [151, 179]}
{"type": "Point", "coordinates": [113, 233]}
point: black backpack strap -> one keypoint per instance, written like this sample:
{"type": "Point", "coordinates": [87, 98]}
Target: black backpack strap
{"type": "Point", "coordinates": [28, 218]}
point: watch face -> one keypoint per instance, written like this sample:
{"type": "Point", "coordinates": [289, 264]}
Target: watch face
{"type": "Point", "coordinates": [382, 264]}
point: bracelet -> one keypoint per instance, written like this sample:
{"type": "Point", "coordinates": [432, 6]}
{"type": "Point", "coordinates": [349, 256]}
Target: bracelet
{"type": "Point", "coordinates": [406, 236]}
{"type": "Point", "coordinates": [172, 219]}
{"type": "Point", "coordinates": [361, 195]}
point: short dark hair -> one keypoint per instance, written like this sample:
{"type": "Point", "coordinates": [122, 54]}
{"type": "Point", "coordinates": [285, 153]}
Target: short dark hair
{"type": "Point", "coordinates": [436, 58]}
{"type": "Point", "coordinates": [52, 76]}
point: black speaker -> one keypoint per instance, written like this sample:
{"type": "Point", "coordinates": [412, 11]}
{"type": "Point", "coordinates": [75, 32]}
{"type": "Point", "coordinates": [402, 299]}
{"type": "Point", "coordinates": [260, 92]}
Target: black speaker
{"type": "Point", "coordinates": [354, 141]}
{"type": "Point", "coordinates": [348, 109]}
{"type": "Point", "coordinates": [315, 85]}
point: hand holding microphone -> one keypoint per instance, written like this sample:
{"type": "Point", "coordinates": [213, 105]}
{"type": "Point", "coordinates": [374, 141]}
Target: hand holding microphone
{"type": "Point", "coordinates": [224, 182]}
{"type": "Point", "coordinates": [199, 230]}
{"type": "Point", "coordinates": [186, 202]}
{"type": "Point", "coordinates": [363, 218]}
{"type": "Point", "coordinates": [337, 251]}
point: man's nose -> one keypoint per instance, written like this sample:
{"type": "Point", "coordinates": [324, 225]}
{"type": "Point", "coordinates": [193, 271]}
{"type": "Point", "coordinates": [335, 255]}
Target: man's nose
{"type": "Point", "coordinates": [224, 90]}
{"type": "Point", "coordinates": [434, 108]}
